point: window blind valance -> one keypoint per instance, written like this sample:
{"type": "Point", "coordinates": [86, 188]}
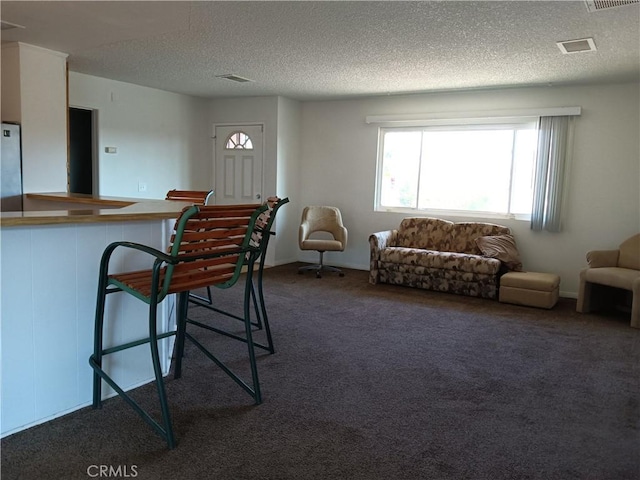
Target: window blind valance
{"type": "Point", "coordinates": [460, 117]}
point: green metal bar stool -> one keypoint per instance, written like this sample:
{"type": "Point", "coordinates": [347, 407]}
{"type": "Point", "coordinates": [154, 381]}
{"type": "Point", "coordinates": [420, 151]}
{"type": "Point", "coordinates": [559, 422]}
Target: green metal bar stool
{"type": "Point", "coordinates": [210, 246]}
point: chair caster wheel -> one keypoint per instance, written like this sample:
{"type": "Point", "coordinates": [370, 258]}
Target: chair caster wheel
{"type": "Point", "coordinates": [318, 275]}
{"type": "Point", "coordinates": [300, 272]}
{"type": "Point", "coordinates": [341, 274]}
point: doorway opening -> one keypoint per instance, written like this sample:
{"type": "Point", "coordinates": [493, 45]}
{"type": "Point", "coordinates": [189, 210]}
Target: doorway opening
{"type": "Point", "coordinates": [81, 173]}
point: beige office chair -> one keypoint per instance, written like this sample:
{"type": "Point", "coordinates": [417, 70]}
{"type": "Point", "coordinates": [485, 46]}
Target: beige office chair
{"type": "Point", "coordinates": [322, 219]}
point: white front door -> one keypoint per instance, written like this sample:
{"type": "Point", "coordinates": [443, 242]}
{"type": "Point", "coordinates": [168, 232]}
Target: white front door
{"type": "Point", "coordinates": [238, 164]}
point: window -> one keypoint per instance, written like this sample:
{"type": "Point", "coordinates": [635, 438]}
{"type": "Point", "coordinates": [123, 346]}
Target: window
{"type": "Point", "coordinates": [483, 168]}
{"type": "Point", "coordinates": [238, 141]}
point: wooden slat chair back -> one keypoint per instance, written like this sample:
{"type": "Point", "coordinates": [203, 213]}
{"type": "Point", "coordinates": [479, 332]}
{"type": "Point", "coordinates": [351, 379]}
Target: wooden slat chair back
{"type": "Point", "coordinates": [205, 250]}
{"type": "Point", "coordinates": [210, 246]}
{"type": "Point", "coordinates": [260, 240]}
{"type": "Point", "coordinates": [197, 197]}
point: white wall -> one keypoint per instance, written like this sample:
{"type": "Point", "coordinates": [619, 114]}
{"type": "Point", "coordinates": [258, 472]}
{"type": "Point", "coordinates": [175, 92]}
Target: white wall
{"type": "Point", "coordinates": [35, 96]}
{"type": "Point", "coordinates": [324, 153]}
{"type": "Point", "coordinates": [261, 110]}
{"type": "Point", "coordinates": [288, 180]}
{"type": "Point", "coordinates": [162, 138]}
{"type": "Point", "coordinates": [252, 110]}
{"type": "Point", "coordinates": [603, 201]}
{"type": "Point", "coordinates": [165, 140]}
{"type": "Point", "coordinates": [281, 118]}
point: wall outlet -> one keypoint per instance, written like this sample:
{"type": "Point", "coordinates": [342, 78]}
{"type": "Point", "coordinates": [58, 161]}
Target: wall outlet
{"type": "Point", "coordinates": [142, 187]}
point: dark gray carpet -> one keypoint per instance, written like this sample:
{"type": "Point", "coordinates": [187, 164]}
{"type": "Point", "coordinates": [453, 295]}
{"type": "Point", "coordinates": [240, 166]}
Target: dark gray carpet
{"type": "Point", "coordinates": [377, 382]}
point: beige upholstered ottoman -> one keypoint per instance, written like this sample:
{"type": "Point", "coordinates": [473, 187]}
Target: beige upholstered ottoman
{"type": "Point", "coordinates": [532, 289]}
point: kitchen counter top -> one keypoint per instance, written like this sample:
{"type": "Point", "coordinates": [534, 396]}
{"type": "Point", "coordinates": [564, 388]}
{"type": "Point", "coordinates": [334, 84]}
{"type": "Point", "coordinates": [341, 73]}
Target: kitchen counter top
{"type": "Point", "coordinates": [62, 207]}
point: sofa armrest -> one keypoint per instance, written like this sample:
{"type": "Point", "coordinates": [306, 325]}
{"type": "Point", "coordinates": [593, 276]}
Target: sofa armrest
{"type": "Point", "coordinates": [602, 258]}
{"type": "Point", "coordinates": [378, 241]}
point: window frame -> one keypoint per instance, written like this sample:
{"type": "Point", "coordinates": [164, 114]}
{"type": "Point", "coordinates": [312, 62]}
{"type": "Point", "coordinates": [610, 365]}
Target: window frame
{"type": "Point", "coordinates": [458, 124]}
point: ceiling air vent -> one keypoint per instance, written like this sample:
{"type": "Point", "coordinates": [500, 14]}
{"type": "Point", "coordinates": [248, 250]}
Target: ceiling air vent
{"type": "Point", "coordinates": [577, 46]}
{"type": "Point", "coordinates": [234, 78]}
{"type": "Point", "coordinates": [597, 5]}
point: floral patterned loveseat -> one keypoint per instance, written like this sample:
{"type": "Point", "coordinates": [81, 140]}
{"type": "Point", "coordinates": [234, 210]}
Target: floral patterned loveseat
{"type": "Point", "coordinates": [436, 254]}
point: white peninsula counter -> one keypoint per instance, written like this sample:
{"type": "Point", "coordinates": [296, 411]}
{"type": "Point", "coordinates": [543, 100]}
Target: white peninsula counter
{"type": "Point", "coordinates": [49, 260]}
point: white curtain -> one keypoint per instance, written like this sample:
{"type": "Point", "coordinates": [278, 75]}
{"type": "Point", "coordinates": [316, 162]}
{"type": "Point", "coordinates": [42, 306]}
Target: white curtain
{"type": "Point", "coordinates": [549, 175]}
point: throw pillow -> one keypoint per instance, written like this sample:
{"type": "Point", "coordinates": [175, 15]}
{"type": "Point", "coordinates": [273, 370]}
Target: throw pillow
{"type": "Point", "coordinates": [502, 247]}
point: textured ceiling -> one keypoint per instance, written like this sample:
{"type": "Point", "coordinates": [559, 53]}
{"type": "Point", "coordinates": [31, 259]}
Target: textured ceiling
{"type": "Point", "coordinates": [318, 50]}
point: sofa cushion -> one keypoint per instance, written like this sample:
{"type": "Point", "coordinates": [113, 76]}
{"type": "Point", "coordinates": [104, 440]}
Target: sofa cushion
{"type": "Point", "coordinates": [462, 283]}
{"type": "Point", "coordinates": [424, 232]}
{"type": "Point", "coordinates": [502, 247]}
{"type": "Point", "coordinates": [613, 276]}
{"type": "Point", "coordinates": [441, 260]}
{"type": "Point", "coordinates": [464, 234]}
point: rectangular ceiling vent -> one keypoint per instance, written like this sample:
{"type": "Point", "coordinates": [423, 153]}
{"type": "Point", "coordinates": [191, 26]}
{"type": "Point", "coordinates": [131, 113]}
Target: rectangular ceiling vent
{"type": "Point", "coordinates": [597, 5]}
{"type": "Point", "coordinates": [234, 78]}
{"type": "Point", "coordinates": [577, 46]}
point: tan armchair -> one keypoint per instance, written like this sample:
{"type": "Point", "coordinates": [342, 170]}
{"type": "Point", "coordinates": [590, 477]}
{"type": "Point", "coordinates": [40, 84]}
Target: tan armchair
{"type": "Point", "coordinates": [613, 268]}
